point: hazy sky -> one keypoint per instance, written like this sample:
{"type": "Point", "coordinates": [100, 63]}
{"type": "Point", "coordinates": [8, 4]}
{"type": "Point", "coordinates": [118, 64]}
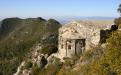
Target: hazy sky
{"type": "Point", "coordinates": [56, 8]}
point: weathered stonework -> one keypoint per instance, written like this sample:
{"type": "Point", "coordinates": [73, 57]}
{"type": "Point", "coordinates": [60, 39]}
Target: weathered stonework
{"type": "Point", "coordinates": [77, 37]}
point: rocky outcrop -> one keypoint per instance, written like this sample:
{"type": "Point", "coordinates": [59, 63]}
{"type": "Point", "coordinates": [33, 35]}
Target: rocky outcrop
{"type": "Point", "coordinates": [87, 31]}
{"type": "Point", "coordinates": [35, 58]}
{"type": "Point", "coordinates": [41, 62]}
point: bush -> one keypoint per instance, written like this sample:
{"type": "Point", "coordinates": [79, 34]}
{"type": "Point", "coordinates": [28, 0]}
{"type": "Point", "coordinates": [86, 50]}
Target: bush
{"type": "Point", "coordinates": [35, 70]}
{"type": "Point", "coordinates": [119, 26]}
{"type": "Point", "coordinates": [28, 65]}
{"type": "Point", "coordinates": [117, 21]}
{"type": "Point", "coordinates": [49, 49]}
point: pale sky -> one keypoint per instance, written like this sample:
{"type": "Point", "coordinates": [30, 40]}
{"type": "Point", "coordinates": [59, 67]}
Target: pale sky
{"type": "Point", "coordinates": [58, 8]}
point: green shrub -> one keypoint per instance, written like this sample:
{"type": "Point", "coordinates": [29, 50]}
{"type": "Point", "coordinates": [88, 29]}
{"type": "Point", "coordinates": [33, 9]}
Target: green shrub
{"type": "Point", "coordinates": [35, 70]}
{"type": "Point", "coordinates": [117, 21]}
{"type": "Point", "coordinates": [49, 49]}
{"type": "Point", "coordinates": [28, 65]}
{"type": "Point", "coordinates": [119, 26]}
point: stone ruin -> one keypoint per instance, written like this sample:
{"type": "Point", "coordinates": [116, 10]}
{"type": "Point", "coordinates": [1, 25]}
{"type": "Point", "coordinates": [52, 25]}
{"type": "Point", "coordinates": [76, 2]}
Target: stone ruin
{"type": "Point", "coordinates": [77, 37]}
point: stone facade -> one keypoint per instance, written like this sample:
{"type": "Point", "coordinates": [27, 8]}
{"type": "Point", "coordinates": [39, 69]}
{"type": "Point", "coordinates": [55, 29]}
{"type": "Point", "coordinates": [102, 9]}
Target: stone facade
{"type": "Point", "coordinates": [77, 37]}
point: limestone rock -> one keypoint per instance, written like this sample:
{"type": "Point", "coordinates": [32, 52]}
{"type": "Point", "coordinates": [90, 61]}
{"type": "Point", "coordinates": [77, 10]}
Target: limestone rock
{"type": "Point", "coordinates": [78, 36]}
{"type": "Point", "coordinates": [41, 61]}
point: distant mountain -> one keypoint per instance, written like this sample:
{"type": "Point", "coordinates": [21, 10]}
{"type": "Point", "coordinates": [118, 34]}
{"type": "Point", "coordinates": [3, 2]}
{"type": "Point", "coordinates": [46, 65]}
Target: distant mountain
{"type": "Point", "coordinates": [64, 20]}
{"type": "Point", "coordinates": [17, 36]}
{"type": "Point", "coordinates": [101, 18]}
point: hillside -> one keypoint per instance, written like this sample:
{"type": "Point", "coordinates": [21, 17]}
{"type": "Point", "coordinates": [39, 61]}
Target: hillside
{"type": "Point", "coordinates": [27, 47]}
{"type": "Point", "coordinates": [18, 36]}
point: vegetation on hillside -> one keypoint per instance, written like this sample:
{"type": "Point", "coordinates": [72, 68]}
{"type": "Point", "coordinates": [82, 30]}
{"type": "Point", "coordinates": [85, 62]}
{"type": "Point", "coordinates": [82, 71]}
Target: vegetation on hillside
{"type": "Point", "coordinates": [51, 69]}
{"type": "Point", "coordinates": [17, 37]}
{"type": "Point", "coordinates": [109, 62]}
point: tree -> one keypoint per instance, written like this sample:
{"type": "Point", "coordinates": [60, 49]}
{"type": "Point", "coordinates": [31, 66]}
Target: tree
{"type": "Point", "coordinates": [119, 9]}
